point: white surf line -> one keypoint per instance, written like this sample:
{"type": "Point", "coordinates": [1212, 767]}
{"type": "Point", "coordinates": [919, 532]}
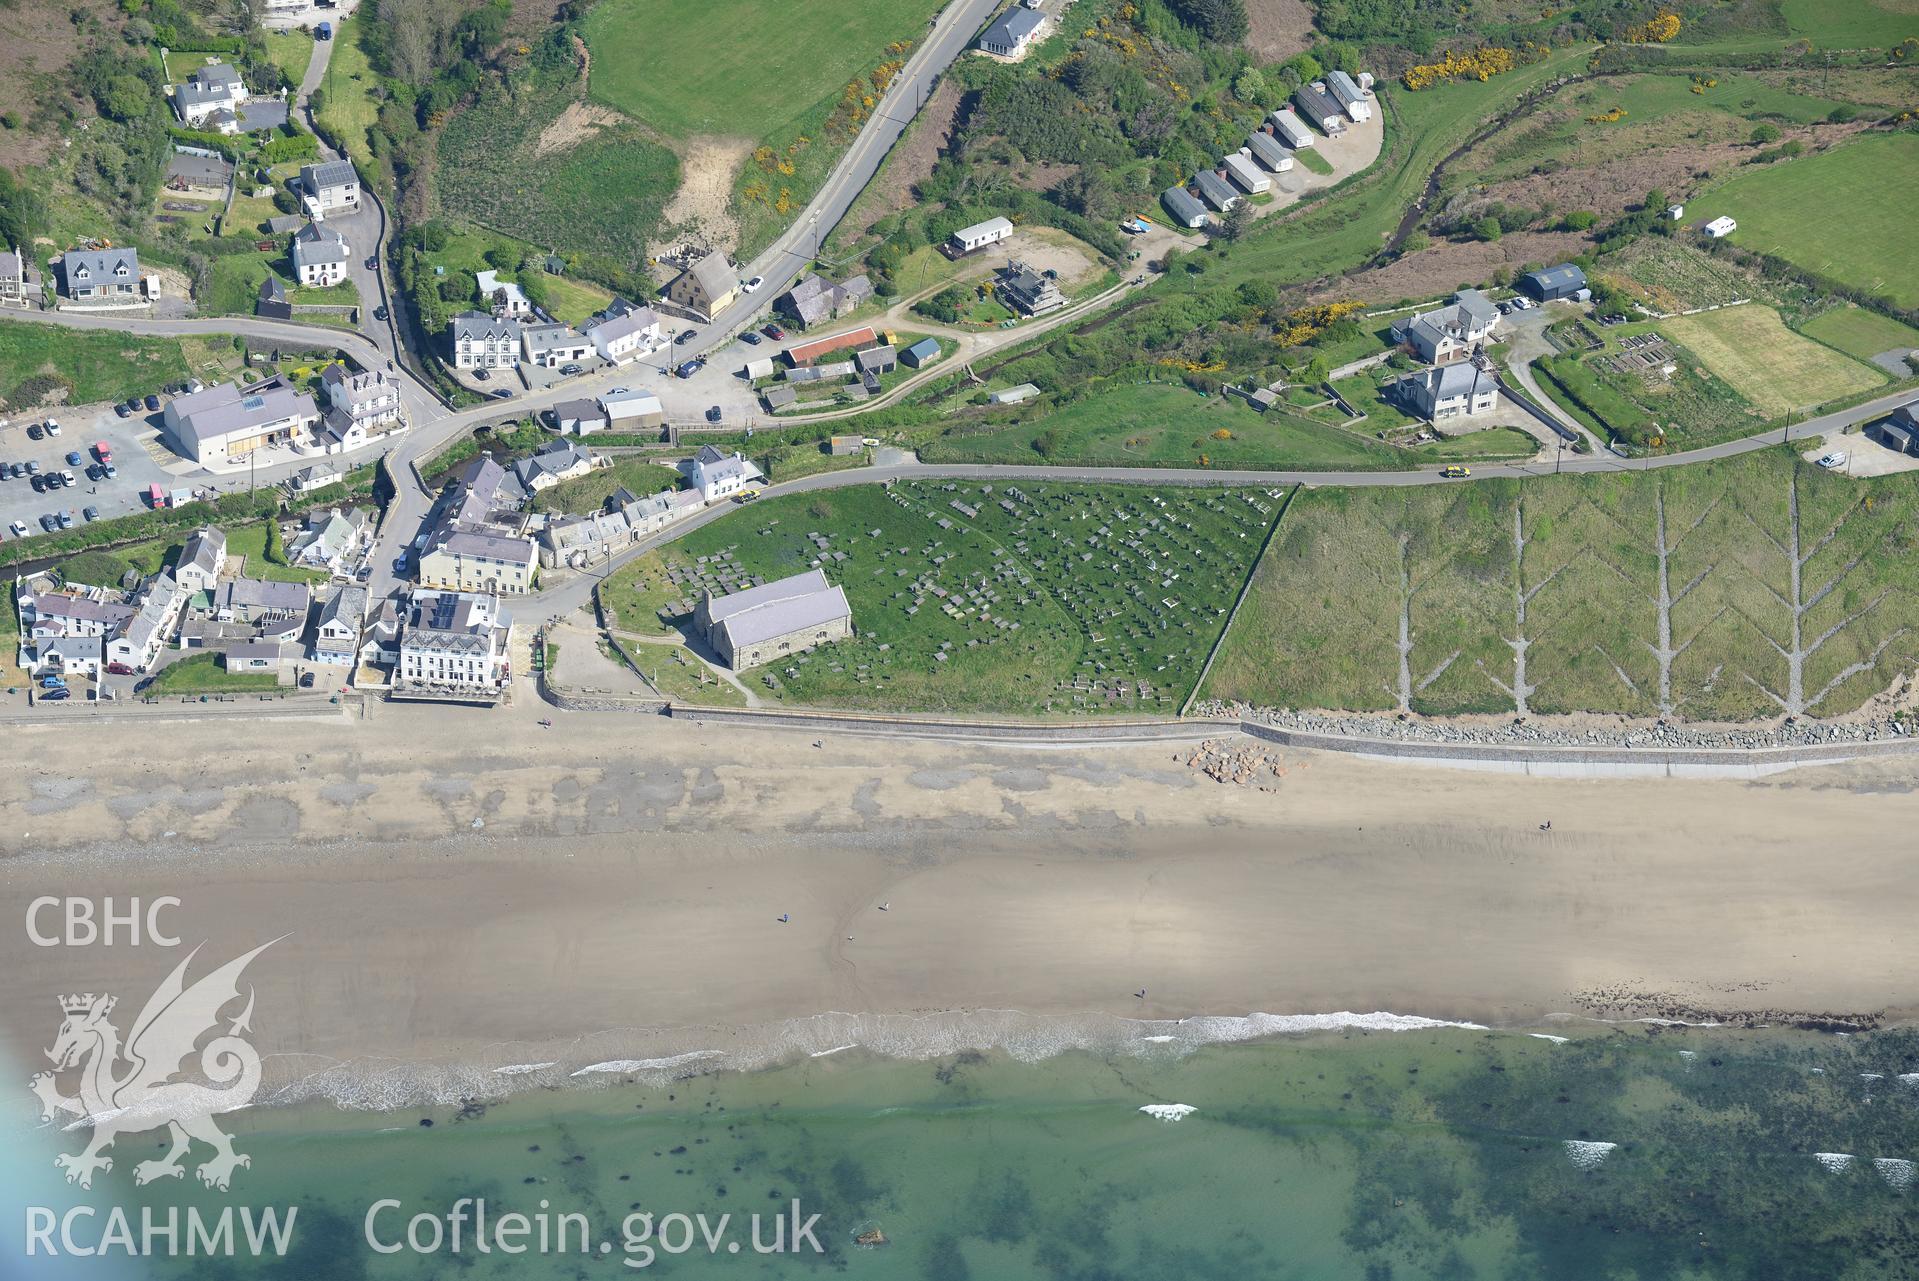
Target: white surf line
{"type": "Point", "coordinates": [519, 1069]}
{"type": "Point", "coordinates": [1587, 1154]}
{"type": "Point", "coordinates": [1169, 1111]}
{"type": "Point", "coordinates": [644, 1065]}
{"type": "Point", "coordinates": [1547, 1036]}
{"type": "Point", "coordinates": [820, 1054]}
{"type": "Point", "coordinates": [1836, 1162]}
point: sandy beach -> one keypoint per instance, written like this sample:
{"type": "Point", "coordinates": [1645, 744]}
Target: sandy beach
{"type": "Point", "coordinates": [457, 886]}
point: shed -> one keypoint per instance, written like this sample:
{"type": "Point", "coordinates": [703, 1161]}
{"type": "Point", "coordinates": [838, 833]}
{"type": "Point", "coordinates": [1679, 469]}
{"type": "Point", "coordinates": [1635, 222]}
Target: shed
{"type": "Point", "coordinates": [1012, 395]}
{"type": "Point", "coordinates": [777, 398]}
{"type": "Point", "coordinates": [877, 360]}
{"type": "Point", "coordinates": [839, 446]}
{"type": "Point", "coordinates": [759, 367]}
{"type": "Point", "coordinates": [921, 354]}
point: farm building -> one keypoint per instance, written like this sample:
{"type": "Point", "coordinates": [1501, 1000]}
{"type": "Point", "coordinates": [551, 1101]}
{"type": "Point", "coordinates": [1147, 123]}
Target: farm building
{"type": "Point", "coordinates": [757, 368]}
{"type": "Point", "coordinates": [1551, 283]}
{"type": "Point", "coordinates": [764, 623]}
{"type": "Point", "coordinates": [632, 411]}
{"type": "Point", "coordinates": [778, 398]}
{"type": "Point", "coordinates": [1348, 95]}
{"type": "Point", "coordinates": [1720, 227]}
{"type": "Point", "coordinates": [816, 298]}
{"type": "Point", "coordinates": [877, 360]}
{"type": "Point", "coordinates": [821, 373]}
{"type": "Point", "coordinates": [1013, 395]}
{"type": "Point", "coordinates": [979, 235]}
{"type": "Point", "coordinates": [1248, 175]}
{"type": "Point", "coordinates": [1899, 439]}
{"type": "Point", "coordinates": [1269, 151]}
{"type": "Point", "coordinates": [1012, 31]}
{"type": "Point", "coordinates": [578, 417]}
{"type": "Point", "coordinates": [1290, 127]}
{"type": "Point", "coordinates": [921, 354]}
{"type": "Point", "coordinates": [1318, 108]}
{"type": "Point", "coordinates": [851, 340]}
{"type": "Point", "coordinates": [840, 446]}
{"type": "Point", "coordinates": [1183, 207]}
{"type": "Point", "coordinates": [1216, 191]}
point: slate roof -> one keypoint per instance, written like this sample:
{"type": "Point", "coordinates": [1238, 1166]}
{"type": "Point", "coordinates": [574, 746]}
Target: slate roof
{"type": "Point", "coordinates": [777, 608]}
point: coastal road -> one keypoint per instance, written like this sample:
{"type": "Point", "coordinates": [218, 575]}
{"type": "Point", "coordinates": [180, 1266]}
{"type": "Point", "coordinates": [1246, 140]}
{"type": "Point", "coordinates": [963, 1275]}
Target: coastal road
{"type": "Point", "coordinates": [577, 591]}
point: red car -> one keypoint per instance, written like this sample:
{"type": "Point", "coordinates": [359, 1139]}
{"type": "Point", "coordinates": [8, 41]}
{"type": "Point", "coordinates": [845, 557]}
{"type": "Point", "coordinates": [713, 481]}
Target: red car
{"type": "Point", "coordinates": [774, 332]}
{"type": "Point", "coordinates": [119, 669]}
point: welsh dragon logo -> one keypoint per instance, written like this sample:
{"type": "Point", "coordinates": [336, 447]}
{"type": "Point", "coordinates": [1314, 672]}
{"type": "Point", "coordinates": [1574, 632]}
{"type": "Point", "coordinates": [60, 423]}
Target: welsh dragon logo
{"type": "Point", "coordinates": [128, 1088]}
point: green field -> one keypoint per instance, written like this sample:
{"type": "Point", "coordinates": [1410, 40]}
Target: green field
{"type": "Point", "coordinates": [1041, 600]}
{"type": "Point", "coordinates": [1160, 425]}
{"type": "Point", "coordinates": [589, 492]}
{"type": "Point", "coordinates": [347, 106]}
{"type": "Point", "coordinates": [290, 51]}
{"type": "Point", "coordinates": [1774, 369]}
{"type": "Point", "coordinates": [1321, 625]}
{"type": "Point", "coordinates": [1861, 333]}
{"type": "Point", "coordinates": [659, 60]}
{"type": "Point", "coordinates": [569, 300]}
{"type": "Point", "coordinates": [1852, 24]}
{"type": "Point", "coordinates": [94, 366]}
{"type": "Point", "coordinates": [1789, 210]}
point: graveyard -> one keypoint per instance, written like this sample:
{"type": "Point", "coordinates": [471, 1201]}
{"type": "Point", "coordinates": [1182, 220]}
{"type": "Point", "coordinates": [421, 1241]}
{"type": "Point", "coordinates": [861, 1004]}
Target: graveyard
{"type": "Point", "coordinates": [1034, 600]}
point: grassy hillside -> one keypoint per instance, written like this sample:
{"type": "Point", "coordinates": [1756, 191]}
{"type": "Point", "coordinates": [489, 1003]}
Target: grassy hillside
{"type": "Point", "coordinates": [1352, 571]}
{"type": "Point", "coordinates": [742, 68]}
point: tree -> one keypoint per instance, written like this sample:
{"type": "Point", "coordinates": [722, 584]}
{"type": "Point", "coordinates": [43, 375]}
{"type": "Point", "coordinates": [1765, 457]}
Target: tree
{"type": "Point", "coordinates": [1236, 222]}
{"type": "Point", "coordinates": [1487, 229]}
{"type": "Point", "coordinates": [1765, 134]}
{"type": "Point", "coordinates": [1578, 220]}
{"type": "Point", "coordinates": [1250, 86]}
{"type": "Point", "coordinates": [1220, 20]}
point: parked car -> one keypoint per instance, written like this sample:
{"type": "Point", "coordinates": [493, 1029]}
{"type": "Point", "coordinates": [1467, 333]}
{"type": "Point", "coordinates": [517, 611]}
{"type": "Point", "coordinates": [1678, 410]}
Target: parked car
{"type": "Point", "coordinates": [96, 472]}
{"type": "Point", "coordinates": [690, 368]}
{"type": "Point", "coordinates": [380, 313]}
{"type": "Point", "coordinates": [1837, 458]}
{"type": "Point", "coordinates": [55, 681]}
{"type": "Point", "coordinates": [18, 529]}
{"type": "Point", "coordinates": [153, 402]}
{"type": "Point", "coordinates": [53, 426]}
{"type": "Point", "coordinates": [503, 393]}
{"type": "Point", "coordinates": [103, 451]}
{"type": "Point", "coordinates": [65, 519]}
{"type": "Point", "coordinates": [33, 466]}
{"type": "Point", "coordinates": [57, 695]}
{"type": "Point", "coordinates": [121, 410]}
{"type": "Point", "coordinates": [773, 331]}
{"type": "Point", "coordinates": [108, 471]}
{"type": "Point", "coordinates": [306, 680]}
{"type": "Point", "coordinates": [748, 286]}
{"type": "Point", "coordinates": [713, 414]}
{"type": "Point", "coordinates": [571, 370]}
{"type": "Point", "coordinates": [482, 375]}
{"type": "Point", "coordinates": [685, 336]}
{"type": "Point", "coordinates": [119, 669]}
{"type": "Point", "coordinates": [39, 484]}
{"type": "Point", "coordinates": [91, 513]}
{"type": "Point", "coordinates": [751, 339]}
{"type": "Point", "coordinates": [36, 432]}
{"type": "Point", "coordinates": [373, 262]}
{"type": "Point", "coordinates": [75, 458]}
{"type": "Point", "coordinates": [48, 523]}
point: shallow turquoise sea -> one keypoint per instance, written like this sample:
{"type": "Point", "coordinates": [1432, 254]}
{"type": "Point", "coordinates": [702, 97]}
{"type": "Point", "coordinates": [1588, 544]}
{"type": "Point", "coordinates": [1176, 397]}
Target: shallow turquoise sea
{"type": "Point", "coordinates": [1443, 1153]}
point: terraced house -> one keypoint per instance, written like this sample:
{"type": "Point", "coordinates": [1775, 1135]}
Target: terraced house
{"type": "Point", "coordinates": [455, 641]}
{"type": "Point", "coordinates": [360, 406]}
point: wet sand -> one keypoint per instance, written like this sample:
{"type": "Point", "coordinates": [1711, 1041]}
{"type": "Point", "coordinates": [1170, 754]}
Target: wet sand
{"type": "Point", "coordinates": [464, 886]}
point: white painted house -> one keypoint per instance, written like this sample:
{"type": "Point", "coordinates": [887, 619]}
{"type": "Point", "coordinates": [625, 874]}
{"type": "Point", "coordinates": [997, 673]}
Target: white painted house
{"type": "Point", "coordinates": [481, 341]}
{"type": "Point", "coordinates": [717, 475]}
{"type": "Point", "coordinates": [319, 255]}
{"type": "Point", "coordinates": [626, 337]}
